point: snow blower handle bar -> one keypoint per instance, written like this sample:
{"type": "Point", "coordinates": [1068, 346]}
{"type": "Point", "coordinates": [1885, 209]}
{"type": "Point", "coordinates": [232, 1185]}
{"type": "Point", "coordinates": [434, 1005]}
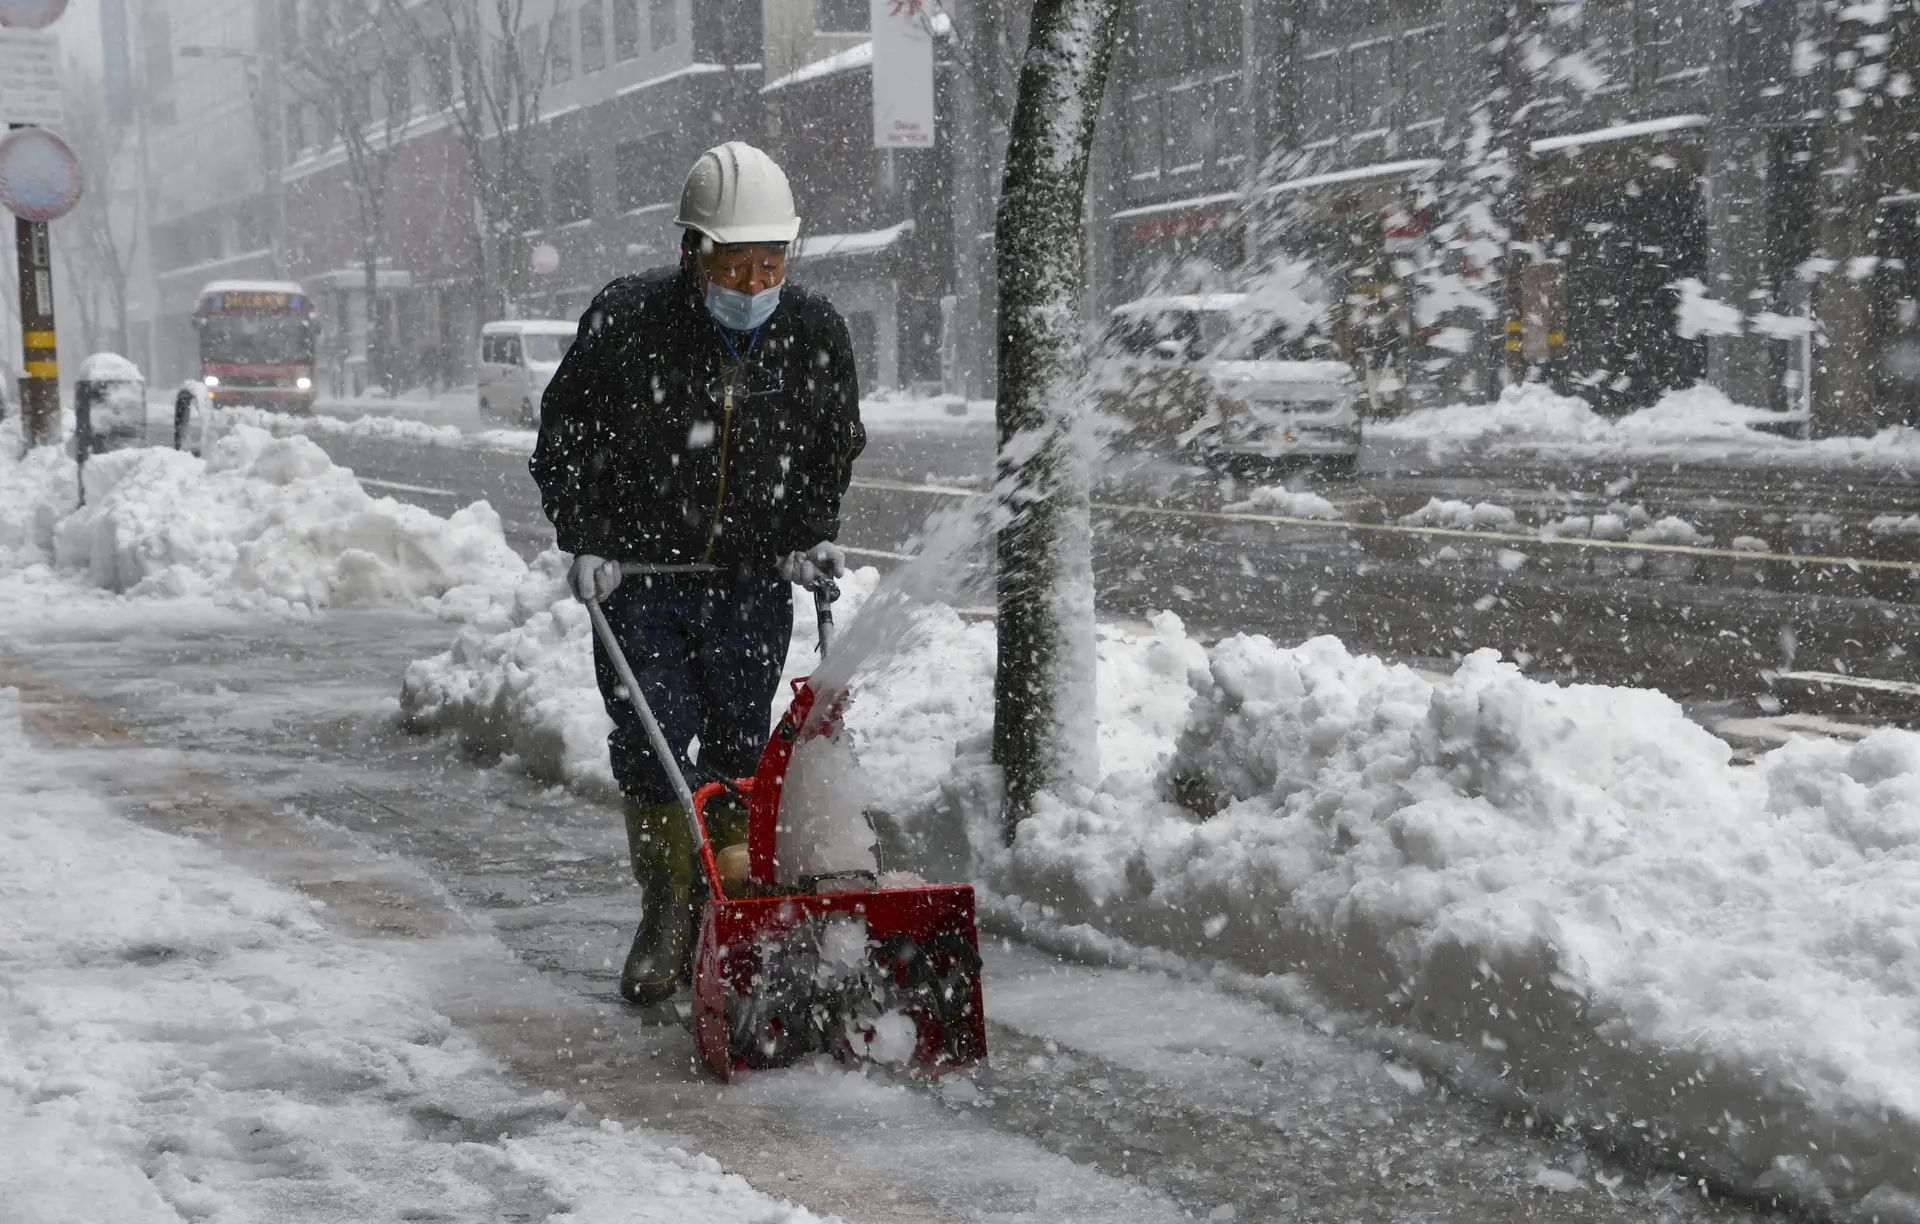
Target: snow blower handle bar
{"type": "Point", "coordinates": [825, 591]}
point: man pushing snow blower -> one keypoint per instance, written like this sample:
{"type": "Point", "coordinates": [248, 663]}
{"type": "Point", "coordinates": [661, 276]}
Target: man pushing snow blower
{"type": "Point", "coordinates": [698, 438]}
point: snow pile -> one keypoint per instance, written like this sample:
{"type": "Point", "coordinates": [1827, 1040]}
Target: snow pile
{"type": "Point", "coordinates": [1525, 414]}
{"type": "Point", "coordinates": [262, 521]}
{"type": "Point", "coordinates": [1446, 512]}
{"type": "Point", "coordinates": [1894, 524]}
{"type": "Point", "coordinates": [1694, 423]}
{"type": "Point", "coordinates": [388, 428]}
{"type": "Point", "coordinates": [1573, 882]}
{"type": "Point", "coordinates": [1274, 499]}
{"type": "Point", "coordinates": [186, 1042]}
{"type": "Point", "coordinates": [1670, 530]}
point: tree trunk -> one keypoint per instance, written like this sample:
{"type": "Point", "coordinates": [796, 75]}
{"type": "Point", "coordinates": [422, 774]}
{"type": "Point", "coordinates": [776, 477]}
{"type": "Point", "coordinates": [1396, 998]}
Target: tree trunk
{"type": "Point", "coordinates": [1043, 729]}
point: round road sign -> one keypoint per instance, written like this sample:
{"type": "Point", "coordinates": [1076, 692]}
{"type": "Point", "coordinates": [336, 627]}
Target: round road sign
{"type": "Point", "coordinates": [546, 259]}
{"type": "Point", "coordinates": [31, 14]}
{"type": "Point", "coordinates": [40, 178]}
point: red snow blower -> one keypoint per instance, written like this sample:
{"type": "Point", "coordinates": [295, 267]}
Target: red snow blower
{"type": "Point", "coordinates": [851, 964]}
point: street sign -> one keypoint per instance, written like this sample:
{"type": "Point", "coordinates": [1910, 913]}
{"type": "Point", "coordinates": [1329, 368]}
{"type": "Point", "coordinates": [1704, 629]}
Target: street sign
{"type": "Point", "coordinates": [30, 78]}
{"type": "Point", "coordinates": [31, 14]}
{"type": "Point", "coordinates": [546, 259]}
{"type": "Point", "coordinates": [902, 74]}
{"type": "Point", "coordinates": [40, 178]}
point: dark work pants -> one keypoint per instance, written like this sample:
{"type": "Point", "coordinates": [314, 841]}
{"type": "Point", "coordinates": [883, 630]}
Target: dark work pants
{"type": "Point", "coordinates": [708, 653]}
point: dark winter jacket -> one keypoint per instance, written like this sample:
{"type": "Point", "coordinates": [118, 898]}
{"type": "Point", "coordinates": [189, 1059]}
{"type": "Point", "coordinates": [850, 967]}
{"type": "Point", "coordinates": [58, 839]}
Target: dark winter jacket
{"type": "Point", "coordinates": [639, 457]}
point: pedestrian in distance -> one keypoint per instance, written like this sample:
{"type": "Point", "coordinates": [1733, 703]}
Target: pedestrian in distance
{"type": "Point", "coordinates": [708, 415]}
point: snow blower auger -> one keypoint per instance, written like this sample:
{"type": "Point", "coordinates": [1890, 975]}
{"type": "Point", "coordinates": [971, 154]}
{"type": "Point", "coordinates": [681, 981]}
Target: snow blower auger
{"type": "Point", "coordinates": [845, 963]}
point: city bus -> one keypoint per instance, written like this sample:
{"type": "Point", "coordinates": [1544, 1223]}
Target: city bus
{"type": "Point", "coordinates": [256, 344]}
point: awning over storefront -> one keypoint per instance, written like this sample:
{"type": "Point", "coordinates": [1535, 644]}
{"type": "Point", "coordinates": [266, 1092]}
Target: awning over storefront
{"type": "Point", "coordinates": [1411, 168]}
{"type": "Point", "coordinates": [817, 247]}
{"type": "Point", "coordinates": [1619, 131]}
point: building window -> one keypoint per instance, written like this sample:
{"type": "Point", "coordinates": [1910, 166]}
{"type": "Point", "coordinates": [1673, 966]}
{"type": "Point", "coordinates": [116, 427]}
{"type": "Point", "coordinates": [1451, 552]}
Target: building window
{"type": "Point", "coordinates": [663, 22]}
{"type": "Point", "coordinates": [560, 47]}
{"type": "Point", "coordinates": [644, 171]}
{"type": "Point", "coordinates": [399, 88]}
{"type": "Point", "coordinates": [593, 36]}
{"type": "Point", "coordinates": [296, 130]}
{"type": "Point", "coordinates": [533, 57]}
{"type": "Point", "coordinates": [157, 38]}
{"type": "Point", "coordinates": [842, 16]}
{"type": "Point", "coordinates": [626, 29]}
{"type": "Point", "coordinates": [572, 189]}
{"type": "Point", "coordinates": [1143, 138]}
{"type": "Point", "coordinates": [437, 74]}
{"type": "Point", "coordinates": [503, 69]}
{"type": "Point", "coordinates": [1322, 100]}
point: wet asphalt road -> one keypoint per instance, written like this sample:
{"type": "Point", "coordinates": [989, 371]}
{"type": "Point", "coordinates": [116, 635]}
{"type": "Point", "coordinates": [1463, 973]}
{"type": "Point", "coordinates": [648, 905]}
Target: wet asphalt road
{"type": "Point", "coordinates": [1711, 626]}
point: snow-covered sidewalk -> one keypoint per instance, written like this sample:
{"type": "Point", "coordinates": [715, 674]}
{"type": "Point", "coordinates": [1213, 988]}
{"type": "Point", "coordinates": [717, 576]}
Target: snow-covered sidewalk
{"type": "Point", "coordinates": [179, 1040]}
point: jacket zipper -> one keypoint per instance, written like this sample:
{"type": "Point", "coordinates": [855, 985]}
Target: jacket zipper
{"type": "Point", "coordinates": [720, 496]}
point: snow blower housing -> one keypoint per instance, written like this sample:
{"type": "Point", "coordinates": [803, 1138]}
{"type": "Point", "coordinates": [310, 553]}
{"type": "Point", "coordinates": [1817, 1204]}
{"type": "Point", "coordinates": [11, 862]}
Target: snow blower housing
{"type": "Point", "coordinates": [859, 965]}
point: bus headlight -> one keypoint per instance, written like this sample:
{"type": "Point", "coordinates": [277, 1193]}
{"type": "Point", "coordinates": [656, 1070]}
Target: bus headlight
{"type": "Point", "coordinates": [303, 383]}
{"type": "Point", "coordinates": [212, 380]}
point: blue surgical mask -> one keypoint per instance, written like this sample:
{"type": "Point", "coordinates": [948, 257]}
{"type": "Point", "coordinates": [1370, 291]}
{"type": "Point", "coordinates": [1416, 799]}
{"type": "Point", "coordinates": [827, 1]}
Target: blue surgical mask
{"type": "Point", "coordinates": [741, 311]}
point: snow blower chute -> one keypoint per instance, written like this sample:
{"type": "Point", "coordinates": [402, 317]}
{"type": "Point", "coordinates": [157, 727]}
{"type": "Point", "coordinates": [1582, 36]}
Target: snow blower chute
{"type": "Point", "coordinates": [856, 964]}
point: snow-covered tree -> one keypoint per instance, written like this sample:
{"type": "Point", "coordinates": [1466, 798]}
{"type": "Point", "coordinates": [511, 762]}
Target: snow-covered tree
{"type": "Point", "coordinates": [489, 84]}
{"type": "Point", "coordinates": [1044, 685]}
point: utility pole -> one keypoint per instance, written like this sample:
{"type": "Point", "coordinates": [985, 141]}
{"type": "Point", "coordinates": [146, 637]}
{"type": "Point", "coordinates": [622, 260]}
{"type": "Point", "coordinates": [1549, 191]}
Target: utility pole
{"type": "Point", "coordinates": [36, 194]}
{"type": "Point", "coordinates": [39, 345]}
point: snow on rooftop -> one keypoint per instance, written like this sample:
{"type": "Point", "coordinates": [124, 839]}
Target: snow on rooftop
{"type": "Point", "coordinates": [251, 286]}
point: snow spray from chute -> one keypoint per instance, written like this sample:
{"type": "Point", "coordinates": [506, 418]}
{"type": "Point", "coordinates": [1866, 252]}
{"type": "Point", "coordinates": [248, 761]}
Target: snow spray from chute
{"type": "Point", "coordinates": [824, 826]}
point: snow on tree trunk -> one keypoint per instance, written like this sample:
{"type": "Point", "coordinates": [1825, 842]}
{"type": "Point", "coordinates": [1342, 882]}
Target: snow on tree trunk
{"type": "Point", "coordinates": [1043, 730]}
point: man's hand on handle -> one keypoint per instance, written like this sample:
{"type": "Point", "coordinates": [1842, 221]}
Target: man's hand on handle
{"type": "Point", "coordinates": [824, 560]}
{"type": "Point", "coordinates": [593, 578]}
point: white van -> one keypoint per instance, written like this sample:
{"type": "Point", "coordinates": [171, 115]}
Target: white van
{"type": "Point", "coordinates": [517, 361]}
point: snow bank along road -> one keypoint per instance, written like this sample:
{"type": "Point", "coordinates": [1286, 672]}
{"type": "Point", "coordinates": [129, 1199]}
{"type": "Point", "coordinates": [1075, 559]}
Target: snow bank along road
{"type": "Point", "coordinates": [1114, 1094]}
{"type": "Point", "coordinates": [1717, 578]}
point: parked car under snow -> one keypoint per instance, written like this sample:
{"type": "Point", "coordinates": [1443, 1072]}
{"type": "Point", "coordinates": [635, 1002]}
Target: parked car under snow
{"type": "Point", "coordinates": [1199, 376]}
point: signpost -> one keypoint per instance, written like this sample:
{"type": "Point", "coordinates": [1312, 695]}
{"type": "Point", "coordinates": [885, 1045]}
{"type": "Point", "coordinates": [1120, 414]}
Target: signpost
{"type": "Point", "coordinates": [39, 181]}
{"type": "Point", "coordinates": [902, 74]}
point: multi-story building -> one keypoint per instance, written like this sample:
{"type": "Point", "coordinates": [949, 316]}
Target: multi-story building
{"type": "Point", "coordinates": [1666, 141]}
{"type": "Point", "coordinates": [207, 165]}
{"type": "Point", "coordinates": [605, 103]}
{"type": "Point", "coordinates": [877, 226]}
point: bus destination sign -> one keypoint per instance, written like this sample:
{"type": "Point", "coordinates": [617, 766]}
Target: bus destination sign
{"type": "Point", "coordinates": [254, 299]}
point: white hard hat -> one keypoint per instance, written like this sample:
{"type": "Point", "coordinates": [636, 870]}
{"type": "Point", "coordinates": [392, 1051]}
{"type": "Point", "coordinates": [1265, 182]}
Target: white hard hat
{"type": "Point", "coordinates": [736, 193]}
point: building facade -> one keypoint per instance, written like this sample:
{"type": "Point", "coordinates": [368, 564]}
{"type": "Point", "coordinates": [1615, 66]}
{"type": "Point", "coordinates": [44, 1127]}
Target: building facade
{"type": "Point", "coordinates": [1670, 153]}
{"type": "Point", "coordinates": [207, 166]}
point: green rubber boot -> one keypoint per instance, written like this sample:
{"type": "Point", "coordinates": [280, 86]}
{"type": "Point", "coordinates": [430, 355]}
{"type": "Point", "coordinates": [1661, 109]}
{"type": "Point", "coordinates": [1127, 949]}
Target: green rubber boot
{"type": "Point", "coordinates": [661, 848]}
